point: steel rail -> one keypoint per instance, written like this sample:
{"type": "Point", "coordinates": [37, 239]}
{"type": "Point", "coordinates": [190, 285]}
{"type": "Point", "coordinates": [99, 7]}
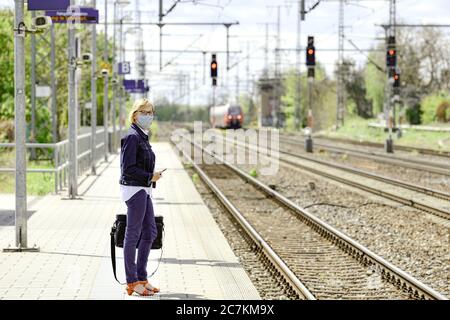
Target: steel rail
{"type": "Point", "coordinates": [428, 191]}
{"type": "Point", "coordinates": [265, 248]}
{"type": "Point", "coordinates": [416, 164]}
{"type": "Point", "coordinates": [432, 152]}
{"type": "Point", "coordinates": [394, 159]}
{"type": "Point", "coordinates": [386, 194]}
{"type": "Point", "coordinates": [390, 272]}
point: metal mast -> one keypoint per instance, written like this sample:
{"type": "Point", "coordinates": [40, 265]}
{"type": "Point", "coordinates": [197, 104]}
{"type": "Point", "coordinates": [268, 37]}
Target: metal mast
{"type": "Point", "coordinates": [94, 94]}
{"type": "Point", "coordinates": [140, 55]}
{"type": "Point", "coordinates": [105, 85]}
{"type": "Point", "coordinates": [390, 44]}
{"type": "Point", "coordinates": [277, 69]}
{"type": "Point", "coordinates": [20, 128]}
{"type": "Point", "coordinates": [72, 114]}
{"type": "Point", "coordinates": [298, 116]}
{"type": "Point", "coordinates": [340, 92]}
{"type": "Point", "coordinates": [266, 53]}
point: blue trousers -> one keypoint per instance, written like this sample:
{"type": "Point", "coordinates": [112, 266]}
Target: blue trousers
{"type": "Point", "coordinates": [140, 225]}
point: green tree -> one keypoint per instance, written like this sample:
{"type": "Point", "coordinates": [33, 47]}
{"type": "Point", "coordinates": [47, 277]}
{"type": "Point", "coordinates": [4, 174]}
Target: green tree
{"type": "Point", "coordinates": [43, 115]}
{"type": "Point", "coordinates": [375, 80]}
{"type": "Point", "coordinates": [6, 65]}
{"type": "Point", "coordinates": [323, 98]}
{"type": "Point", "coordinates": [355, 87]}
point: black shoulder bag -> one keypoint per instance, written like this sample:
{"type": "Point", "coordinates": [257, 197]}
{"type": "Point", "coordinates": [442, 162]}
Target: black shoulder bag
{"type": "Point", "coordinates": [118, 236]}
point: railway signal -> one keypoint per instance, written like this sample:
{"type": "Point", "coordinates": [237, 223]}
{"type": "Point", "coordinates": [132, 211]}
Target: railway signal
{"type": "Point", "coordinates": [311, 64]}
{"type": "Point", "coordinates": [310, 52]}
{"type": "Point", "coordinates": [391, 54]}
{"type": "Point", "coordinates": [214, 69]}
{"type": "Point", "coordinates": [396, 80]}
{"type": "Point", "coordinates": [391, 58]}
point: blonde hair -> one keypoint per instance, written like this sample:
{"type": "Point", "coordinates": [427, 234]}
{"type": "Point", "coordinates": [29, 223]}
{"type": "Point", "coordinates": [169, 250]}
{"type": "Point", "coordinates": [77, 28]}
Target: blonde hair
{"type": "Point", "coordinates": [140, 105]}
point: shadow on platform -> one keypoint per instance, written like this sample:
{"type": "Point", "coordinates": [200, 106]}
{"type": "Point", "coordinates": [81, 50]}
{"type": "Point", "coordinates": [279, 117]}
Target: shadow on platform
{"type": "Point", "coordinates": [8, 217]}
{"type": "Point", "coordinates": [202, 262]}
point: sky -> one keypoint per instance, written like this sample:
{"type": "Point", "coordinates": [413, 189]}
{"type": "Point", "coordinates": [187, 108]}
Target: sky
{"type": "Point", "coordinates": [249, 37]}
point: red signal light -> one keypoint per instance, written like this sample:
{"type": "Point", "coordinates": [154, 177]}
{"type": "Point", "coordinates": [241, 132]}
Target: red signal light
{"type": "Point", "coordinates": [310, 51]}
{"type": "Point", "coordinates": [391, 52]}
{"type": "Point", "coordinates": [214, 65]}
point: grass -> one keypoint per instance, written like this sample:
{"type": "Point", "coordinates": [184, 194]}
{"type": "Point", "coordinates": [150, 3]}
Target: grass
{"type": "Point", "coordinates": [357, 129]}
{"type": "Point", "coordinates": [253, 173]}
{"type": "Point", "coordinates": [37, 183]}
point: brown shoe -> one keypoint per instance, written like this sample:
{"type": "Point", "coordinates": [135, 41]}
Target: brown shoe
{"type": "Point", "coordinates": [148, 286]}
{"type": "Point", "coordinates": [139, 288]}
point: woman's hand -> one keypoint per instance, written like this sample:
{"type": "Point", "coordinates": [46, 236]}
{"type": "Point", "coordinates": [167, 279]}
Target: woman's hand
{"type": "Point", "coordinates": [156, 176]}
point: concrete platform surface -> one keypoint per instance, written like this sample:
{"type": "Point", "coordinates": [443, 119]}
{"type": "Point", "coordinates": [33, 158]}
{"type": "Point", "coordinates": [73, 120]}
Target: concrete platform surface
{"type": "Point", "coordinates": [73, 237]}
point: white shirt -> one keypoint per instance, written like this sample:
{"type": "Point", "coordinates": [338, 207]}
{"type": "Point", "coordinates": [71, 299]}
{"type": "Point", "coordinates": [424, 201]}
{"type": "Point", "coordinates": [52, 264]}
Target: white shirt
{"type": "Point", "coordinates": [126, 192]}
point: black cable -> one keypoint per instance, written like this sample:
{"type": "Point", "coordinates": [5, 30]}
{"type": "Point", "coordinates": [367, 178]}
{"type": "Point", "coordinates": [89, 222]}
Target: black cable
{"type": "Point", "coordinates": [171, 8]}
{"type": "Point", "coordinates": [368, 58]}
{"type": "Point", "coordinates": [313, 7]}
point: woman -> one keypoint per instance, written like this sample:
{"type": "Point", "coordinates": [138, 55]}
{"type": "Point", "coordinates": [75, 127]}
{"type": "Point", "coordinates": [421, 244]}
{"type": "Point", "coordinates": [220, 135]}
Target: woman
{"type": "Point", "coordinates": [137, 164]}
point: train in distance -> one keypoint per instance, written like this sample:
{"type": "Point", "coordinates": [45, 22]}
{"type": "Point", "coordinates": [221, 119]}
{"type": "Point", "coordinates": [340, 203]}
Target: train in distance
{"type": "Point", "coordinates": [229, 116]}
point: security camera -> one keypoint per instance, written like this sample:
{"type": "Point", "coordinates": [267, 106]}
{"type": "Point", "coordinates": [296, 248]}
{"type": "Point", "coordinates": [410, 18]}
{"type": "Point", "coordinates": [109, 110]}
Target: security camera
{"type": "Point", "coordinates": [86, 57]}
{"type": "Point", "coordinates": [42, 22]}
{"type": "Point", "coordinates": [105, 72]}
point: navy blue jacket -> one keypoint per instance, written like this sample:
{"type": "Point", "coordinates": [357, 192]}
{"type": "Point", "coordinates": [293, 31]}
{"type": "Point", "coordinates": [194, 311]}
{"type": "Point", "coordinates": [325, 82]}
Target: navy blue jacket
{"type": "Point", "coordinates": [137, 160]}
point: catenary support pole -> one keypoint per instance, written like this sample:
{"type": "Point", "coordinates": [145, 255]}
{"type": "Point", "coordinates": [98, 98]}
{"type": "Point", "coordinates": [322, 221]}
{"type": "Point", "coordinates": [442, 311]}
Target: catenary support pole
{"type": "Point", "coordinates": [160, 33]}
{"type": "Point", "coordinates": [72, 107]}
{"type": "Point", "coordinates": [119, 86]}
{"type": "Point", "coordinates": [340, 92]}
{"type": "Point", "coordinates": [114, 83]}
{"type": "Point", "coordinates": [298, 117]}
{"type": "Point", "coordinates": [53, 84]}
{"type": "Point", "coordinates": [33, 91]}
{"type": "Point", "coordinates": [94, 95]}
{"type": "Point", "coordinates": [277, 110]}
{"type": "Point", "coordinates": [19, 124]}
{"type": "Point", "coordinates": [105, 85]}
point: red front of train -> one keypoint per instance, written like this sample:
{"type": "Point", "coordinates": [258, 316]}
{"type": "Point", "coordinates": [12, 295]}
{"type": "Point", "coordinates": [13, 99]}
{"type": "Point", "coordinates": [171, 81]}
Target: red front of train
{"type": "Point", "coordinates": [234, 118]}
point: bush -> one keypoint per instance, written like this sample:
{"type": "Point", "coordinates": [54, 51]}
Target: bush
{"type": "Point", "coordinates": [430, 105]}
{"type": "Point", "coordinates": [7, 131]}
{"type": "Point", "coordinates": [442, 110]}
{"type": "Point", "coordinates": [414, 114]}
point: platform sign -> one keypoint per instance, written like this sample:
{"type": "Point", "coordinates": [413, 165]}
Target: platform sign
{"type": "Point", "coordinates": [124, 68]}
{"type": "Point", "coordinates": [78, 15]}
{"type": "Point", "coordinates": [43, 91]}
{"type": "Point", "coordinates": [48, 4]}
{"type": "Point", "coordinates": [136, 86]}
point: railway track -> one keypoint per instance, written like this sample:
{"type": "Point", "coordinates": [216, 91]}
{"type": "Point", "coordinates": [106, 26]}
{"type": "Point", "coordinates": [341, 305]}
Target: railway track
{"type": "Point", "coordinates": [417, 164]}
{"type": "Point", "coordinates": [431, 152]}
{"type": "Point", "coordinates": [429, 200]}
{"type": "Point", "coordinates": [315, 259]}
{"type": "Point", "coordinates": [419, 197]}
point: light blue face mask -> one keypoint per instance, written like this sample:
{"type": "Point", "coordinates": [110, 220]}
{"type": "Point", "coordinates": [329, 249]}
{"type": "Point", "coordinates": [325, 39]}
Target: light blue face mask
{"type": "Point", "coordinates": [144, 121]}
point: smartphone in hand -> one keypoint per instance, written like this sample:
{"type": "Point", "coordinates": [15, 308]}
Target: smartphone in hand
{"type": "Point", "coordinates": [154, 183]}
